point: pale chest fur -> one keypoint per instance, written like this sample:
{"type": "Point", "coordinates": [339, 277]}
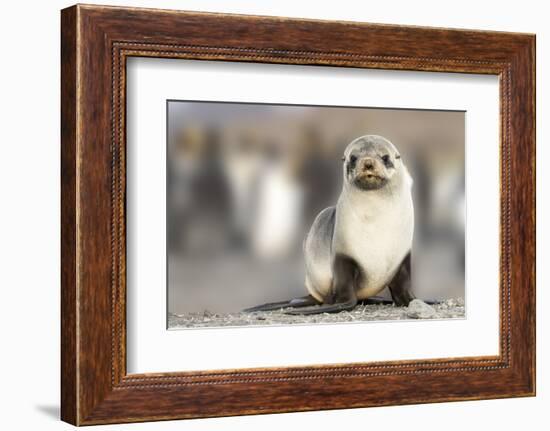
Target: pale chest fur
{"type": "Point", "coordinates": [376, 230]}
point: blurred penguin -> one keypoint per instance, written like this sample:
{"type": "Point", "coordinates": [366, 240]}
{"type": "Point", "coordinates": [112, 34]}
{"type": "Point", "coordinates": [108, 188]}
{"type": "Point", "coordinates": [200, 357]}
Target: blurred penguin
{"type": "Point", "coordinates": [198, 193]}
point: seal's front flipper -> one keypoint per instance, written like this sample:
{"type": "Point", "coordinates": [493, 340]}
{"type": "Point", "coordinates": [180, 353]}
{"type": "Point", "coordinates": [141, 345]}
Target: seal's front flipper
{"type": "Point", "coordinates": [343, 295]}
{"type": "Point", "coordinates": [432, 301]}
{"type": "Point", "coordinates": [325, 308]}
{"type": "Point", "coordinates": [304, 301]}
{"type": "Point", "coordinates": [400, 286]}
{"type": "Point", "coordinates": [376, 300]}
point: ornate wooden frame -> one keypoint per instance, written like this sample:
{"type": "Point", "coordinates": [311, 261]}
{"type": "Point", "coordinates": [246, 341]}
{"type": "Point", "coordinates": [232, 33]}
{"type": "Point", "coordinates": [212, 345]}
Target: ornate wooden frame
{"type": "Point", "coordinates": [95, 43]}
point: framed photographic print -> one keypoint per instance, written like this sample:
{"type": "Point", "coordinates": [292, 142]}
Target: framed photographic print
{"type": "Point", "coordinates": [263, 214]}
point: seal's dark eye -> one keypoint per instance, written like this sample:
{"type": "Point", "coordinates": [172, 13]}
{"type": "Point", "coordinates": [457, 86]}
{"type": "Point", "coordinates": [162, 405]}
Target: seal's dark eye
{"type": "Point", "coordinates": [385, 158]}
{"type": "Point", "coordinates": [352, 159]}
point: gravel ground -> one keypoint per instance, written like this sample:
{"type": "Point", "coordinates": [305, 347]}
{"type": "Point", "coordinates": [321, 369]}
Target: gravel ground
{"type": "Point", "coordinates": [449, 309]}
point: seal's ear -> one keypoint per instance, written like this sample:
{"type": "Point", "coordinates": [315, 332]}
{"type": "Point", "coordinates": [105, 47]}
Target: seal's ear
{"type": "Point", "coordinates": [344, 158]}
{"type": "Point", "coordinates": [397, 156]}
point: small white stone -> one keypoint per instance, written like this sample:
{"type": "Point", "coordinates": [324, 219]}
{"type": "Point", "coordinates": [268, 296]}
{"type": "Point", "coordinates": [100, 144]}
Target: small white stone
{"type": "Point", "coordinates": [420, 310]}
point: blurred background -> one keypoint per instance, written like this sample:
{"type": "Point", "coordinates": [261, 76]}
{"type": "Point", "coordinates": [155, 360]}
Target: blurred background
{"type": "Point", "coordinates": [245, 182]}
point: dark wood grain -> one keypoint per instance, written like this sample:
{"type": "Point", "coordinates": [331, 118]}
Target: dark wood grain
{"type": "Point", "coordinates": [69, 366]}
{"type": "Point", "coordinates": [96, 41]}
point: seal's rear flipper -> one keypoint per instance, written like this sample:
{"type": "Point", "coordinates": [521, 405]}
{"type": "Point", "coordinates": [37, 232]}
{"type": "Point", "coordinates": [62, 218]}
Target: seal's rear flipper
{"type": "Point", "coordinates": [303, 301]}
{"type": "Point", "coordinates": [325, 308]}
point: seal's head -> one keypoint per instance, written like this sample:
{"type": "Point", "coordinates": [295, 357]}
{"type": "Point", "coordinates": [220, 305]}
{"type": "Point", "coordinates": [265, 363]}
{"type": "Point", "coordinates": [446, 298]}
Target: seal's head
{"type": "Point", "coordinates": [370, 162]}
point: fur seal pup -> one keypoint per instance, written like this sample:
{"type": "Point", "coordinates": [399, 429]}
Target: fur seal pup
{"type": "Point", "coordinates": [363, 244]}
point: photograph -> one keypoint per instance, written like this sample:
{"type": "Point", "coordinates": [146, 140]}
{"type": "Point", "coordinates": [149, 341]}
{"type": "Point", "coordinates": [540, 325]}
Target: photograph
{"type": "Point", "coordinates": [282, 214]}
{"type": "Point", "coordinates": [277, 210]}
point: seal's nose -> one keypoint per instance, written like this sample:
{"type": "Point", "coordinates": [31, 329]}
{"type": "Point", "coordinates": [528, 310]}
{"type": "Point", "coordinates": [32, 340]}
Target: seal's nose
{"type": "Point", "coordinates": [368, 164]}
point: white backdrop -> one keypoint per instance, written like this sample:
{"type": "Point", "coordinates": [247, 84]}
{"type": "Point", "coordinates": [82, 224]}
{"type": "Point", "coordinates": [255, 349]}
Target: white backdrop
{"type": "Point", "coordinates": [29, 217]}
{"type": "Point", "coordinates": [151, 348]}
